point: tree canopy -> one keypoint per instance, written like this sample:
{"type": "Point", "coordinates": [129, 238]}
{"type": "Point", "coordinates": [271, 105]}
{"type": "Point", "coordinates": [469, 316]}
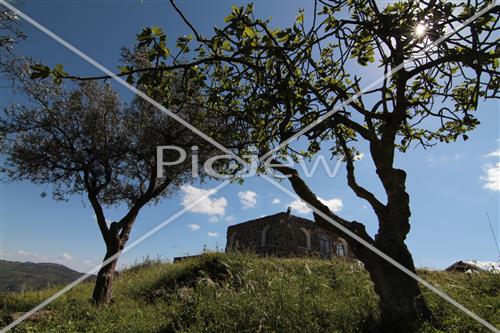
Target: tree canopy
{"type": "Point", "coordinates": [87, 141]}
{"type": "Point", "coordinates": [436, 61]}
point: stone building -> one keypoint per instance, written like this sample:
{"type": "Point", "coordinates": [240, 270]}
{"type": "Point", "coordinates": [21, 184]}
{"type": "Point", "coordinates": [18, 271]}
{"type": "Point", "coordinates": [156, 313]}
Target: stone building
{"type": "Point", "coordinates": [284, 234]}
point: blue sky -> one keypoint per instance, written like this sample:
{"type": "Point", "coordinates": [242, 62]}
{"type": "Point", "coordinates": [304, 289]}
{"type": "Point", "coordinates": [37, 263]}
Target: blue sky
{"type": "Point", "coordinates": [452, 187]}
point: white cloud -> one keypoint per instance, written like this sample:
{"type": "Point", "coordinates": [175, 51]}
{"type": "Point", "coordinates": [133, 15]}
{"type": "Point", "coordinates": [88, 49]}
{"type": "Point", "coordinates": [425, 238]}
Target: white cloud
{"type": "Point", "coordinates": [216, 206]}
{"type": "Point", "coordinates": [495, 153]}
{"type": "Point", "coordinates": [40, 257]}
{"type": "Point", "coordinates": [276, 201]}
{"type": "Point", "coordinates": [65, 259]}
{"type": "Point", "coordinates": [66, 256]}
{"type": "Point", "coordinates": [214, 219]}
{"type": "Point", "coordinates": [248, 199]}
{"type": "Point", "coordinates": [492, 177]}
{"type": "Point", "coordinates": [212, 234]}
{"type": "Point", "coordinates": [299, 206]}
{"type": "Point", "coordinates": [193, 227]}
{"type": "Point", "coordinates": [334, 204]}
{"type": "Point", "coordinates": [230, 219]}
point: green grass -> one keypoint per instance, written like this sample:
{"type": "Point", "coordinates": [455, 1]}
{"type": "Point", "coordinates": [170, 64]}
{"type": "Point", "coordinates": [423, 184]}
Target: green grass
{"type": "Point", "coordinates": [244, 293]}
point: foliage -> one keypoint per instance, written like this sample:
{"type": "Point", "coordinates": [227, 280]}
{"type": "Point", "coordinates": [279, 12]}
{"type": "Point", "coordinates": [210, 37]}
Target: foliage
{"type": "Point", "coordinates": [306, 80]}
{"type": "Point", "coordinates": [86, 141]}
{"type": "Point", "coordinates": [10, 33]}
{"type": "Point", "coordinates": [244, 293]}
{"type": "Point", "coordinates": [78, 141]}
{"type": "Point", "coordinates": [280, 80]}
{"type": "Point", "coordinates": [301, 73]}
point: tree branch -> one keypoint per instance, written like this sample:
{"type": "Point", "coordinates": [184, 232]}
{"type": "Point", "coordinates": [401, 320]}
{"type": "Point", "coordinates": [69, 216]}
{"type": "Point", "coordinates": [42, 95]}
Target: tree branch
{"type": "Point", "coordinates": [360, 191]}
{"type": "Point", "coordinates": [99, 213]}
{"type": "Point", "coordinates": [305, 193]}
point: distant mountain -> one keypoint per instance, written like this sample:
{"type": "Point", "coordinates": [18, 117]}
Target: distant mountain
{"type": "Point", "coordinates": [21, 276]}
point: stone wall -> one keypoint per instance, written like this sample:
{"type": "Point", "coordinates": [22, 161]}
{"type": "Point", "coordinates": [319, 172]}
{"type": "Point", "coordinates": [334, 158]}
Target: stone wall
{"type": "Point", "coordinates": [284, 234]}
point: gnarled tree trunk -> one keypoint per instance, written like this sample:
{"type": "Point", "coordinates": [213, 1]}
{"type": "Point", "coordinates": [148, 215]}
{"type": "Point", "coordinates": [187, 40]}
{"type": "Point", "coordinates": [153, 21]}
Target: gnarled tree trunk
{"type": "Point", "coordinates": [401, 301]}
{"type": "Point", "coordinates": [103, 288]}
{"type": "Point", "coordinates": [400, 294]}
{"type": "Point", "coordinates": [116, 239]}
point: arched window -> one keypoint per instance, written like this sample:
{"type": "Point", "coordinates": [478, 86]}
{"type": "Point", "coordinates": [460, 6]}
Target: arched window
{"type": "Point", "coordinates": [325, 250]}
{"type": "Point", "coordinates": [304, 238]}
{"type": "Point", "coordinates": [341, 247]}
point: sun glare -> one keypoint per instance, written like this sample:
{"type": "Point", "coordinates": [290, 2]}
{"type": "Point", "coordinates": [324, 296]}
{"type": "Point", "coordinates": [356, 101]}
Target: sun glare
{"type": "Point", "coordinates": [420, 29]}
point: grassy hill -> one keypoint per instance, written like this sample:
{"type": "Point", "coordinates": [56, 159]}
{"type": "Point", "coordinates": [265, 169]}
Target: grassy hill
{"type": "Point", "coordinates": [21, 276]}
{"type": "Point", "coordinates": [244, 293]}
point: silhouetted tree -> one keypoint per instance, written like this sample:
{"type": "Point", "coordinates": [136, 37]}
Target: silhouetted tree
{"type": "Point", "coordinates": [291, 78]}
{"type": "Point", "coordinates": [86, 140]}
{"type": "Point", "coordinates": [10, 34]}
{"type": "Point", "coordinates": [281, 81]}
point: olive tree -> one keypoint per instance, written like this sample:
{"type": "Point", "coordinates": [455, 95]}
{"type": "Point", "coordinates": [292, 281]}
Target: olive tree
{"type": "Point", "coordinates": [11, 33]}
{"type": "Point", "coordinates": [85, 140]}
{"type": "Point", "coordinates": [10, 28]}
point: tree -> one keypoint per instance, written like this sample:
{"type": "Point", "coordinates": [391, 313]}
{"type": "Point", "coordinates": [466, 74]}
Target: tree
{"type": "Point", "coordinates": [86, 141]}
{"type": "Point", "coordinates": [281, 82]}
{"type": "Point", "coordinates": [10, 34]}
{"type": "Point", "coordinates": [296, 76]}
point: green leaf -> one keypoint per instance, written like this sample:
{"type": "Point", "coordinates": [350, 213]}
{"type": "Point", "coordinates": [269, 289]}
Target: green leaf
{"type": "Point", "coordinates": [226, 45]}
{"type": "Point", "coordinates": [283, 37]}
{"type": "Point", "coordinates": [40, 68]}
{"type": "Point", "coordinates": [38, 75]}
{"type": "Point", "coordinates": [183, 41]}
{"type": "Point", "coordinates": [300, 17]}
{"type": "Point", "coordinates": [165, 52]}
{"type": "Point", "coordinates": [249, 32]}
{"type": "Point", "coordinates": [157, 31]}
{"type": "Point", "coordinates": [39, 71]}
{"type": "Point", "coordinates": [229, 18]}
{"type": "Point", "coordinates": [125, 69]}
{"type": "Point", "coordinates": [145, 35]}
{"type": "Point", "coordinates": [58, 68]}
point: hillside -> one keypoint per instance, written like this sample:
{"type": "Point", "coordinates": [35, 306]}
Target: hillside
{"type": "Point", "coordinates": [21, 276]}
{"type": "Point", "coordinates": [244, 293]}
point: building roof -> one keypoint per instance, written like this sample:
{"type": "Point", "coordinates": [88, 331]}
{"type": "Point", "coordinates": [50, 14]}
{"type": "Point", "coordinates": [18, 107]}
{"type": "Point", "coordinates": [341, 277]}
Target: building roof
{"type": "Point", "coordinates": [465, 265]}
{"type": "Point", "coordinates": [278, 215]}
